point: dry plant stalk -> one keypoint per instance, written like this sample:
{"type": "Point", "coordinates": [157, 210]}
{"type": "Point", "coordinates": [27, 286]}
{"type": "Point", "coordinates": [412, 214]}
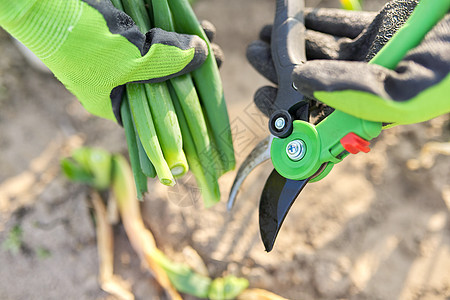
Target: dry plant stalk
{"type": "Point", "coordinates": [141, 238]}
{"type": "Point", "coordinates": [109, 282]}
{"type": "Point", "coordinates": [258, 294]}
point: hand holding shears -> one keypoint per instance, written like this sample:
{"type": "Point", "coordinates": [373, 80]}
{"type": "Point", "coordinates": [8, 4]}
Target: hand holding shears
{"type": "Point", "coordinates": [302, 152]}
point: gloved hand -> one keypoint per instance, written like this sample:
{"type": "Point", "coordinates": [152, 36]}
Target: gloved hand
{"type": "Point", "coordinates": [94, 49]}
{"type": "Point", "coordinates": [340, 43]}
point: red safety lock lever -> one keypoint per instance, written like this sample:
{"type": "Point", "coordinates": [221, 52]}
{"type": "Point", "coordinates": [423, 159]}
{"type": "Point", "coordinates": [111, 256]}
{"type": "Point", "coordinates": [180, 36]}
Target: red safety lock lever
{"type": "Point", "coordinates": [355, 144]}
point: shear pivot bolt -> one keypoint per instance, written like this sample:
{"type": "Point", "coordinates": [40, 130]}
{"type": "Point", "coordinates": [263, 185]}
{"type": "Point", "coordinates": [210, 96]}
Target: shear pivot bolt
{"type": "Point", "coordinates": [296, 150]}
{"type": "Point", "coordinates": [280, 123]}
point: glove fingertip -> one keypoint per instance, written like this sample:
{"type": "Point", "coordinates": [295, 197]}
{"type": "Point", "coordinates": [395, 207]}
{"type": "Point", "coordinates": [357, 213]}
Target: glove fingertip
{"type": "Point", "coordinates": [308, 79]}
{"type": "Point", "coordinates": [183, 42]}
{"type": "Point", "coordinates": [201, 49]}
{"type": "Point", "coordinates": [200, 54]}
{"type": "Point", "coordinates": [334, 76]}
{"type": "Point", "coordinates": [266, 33]}
{"type": "Point", "coordinates": [260, 57]}
{"type": "Point", "coordinates": [254, 48]}
{"type": "Point", "coordinates": [116, 102]}
{"type": "Point", "coordinates": [218, 54]}
{"type": "Point", "coordinates": [265, 100]}
{"type": "Point", "coordinates": [209, 29]}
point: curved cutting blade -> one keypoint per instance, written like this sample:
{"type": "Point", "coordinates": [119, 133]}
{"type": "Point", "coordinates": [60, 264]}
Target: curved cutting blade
{"type": "Point", "coordinates": [278, 195]}
{"type": "Point", "coordinates": [259, 154]}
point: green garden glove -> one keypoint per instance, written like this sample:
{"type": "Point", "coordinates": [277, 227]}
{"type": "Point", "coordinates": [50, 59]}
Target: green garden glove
{"type": "Point", "coordinates": [340, 43]}
{"type": "Point", "coordinates": [94, 49]}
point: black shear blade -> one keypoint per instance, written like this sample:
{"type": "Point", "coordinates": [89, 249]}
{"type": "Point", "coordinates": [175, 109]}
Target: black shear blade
{"type": "Point", "coordinates": [278, 195]}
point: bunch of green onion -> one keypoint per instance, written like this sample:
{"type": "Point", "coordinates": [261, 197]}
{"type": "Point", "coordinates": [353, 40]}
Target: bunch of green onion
{"type": "Point", "coordinates": [180, 124]}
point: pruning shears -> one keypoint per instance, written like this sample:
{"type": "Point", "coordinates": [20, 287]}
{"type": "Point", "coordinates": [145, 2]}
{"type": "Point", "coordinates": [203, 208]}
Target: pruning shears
{"type": "Point", "coordinates": [300, 151]}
